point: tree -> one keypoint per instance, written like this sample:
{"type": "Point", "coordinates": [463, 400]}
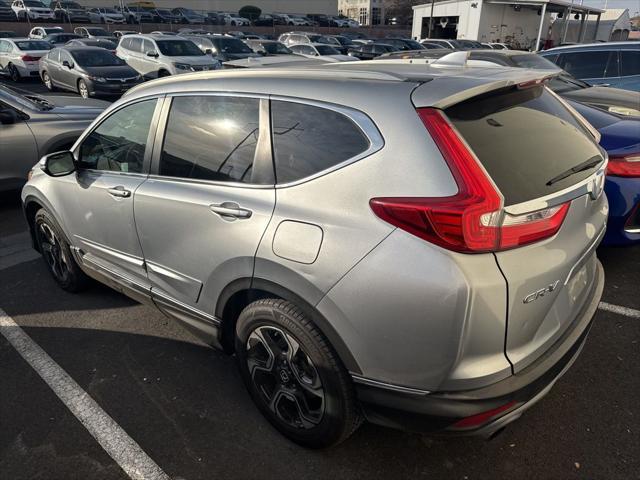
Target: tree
{"type": "Point", "coordinates": [250, 12]}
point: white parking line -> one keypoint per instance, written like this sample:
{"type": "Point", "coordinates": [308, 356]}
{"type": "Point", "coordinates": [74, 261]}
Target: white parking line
{"type": "Point", "coordinates": [627, 312]}
{"type": "Point", "coordinates": [113, 439]}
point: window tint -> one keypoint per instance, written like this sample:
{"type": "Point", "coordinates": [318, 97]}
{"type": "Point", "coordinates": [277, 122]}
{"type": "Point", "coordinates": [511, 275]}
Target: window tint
{"type": "Point", "coordinates": [589, 64]}
{"type": "Point", "coordinates": [309, 139]}
{"type": "Point", "coordinates": [118, 144]}
{"type": "Point", "coordinates": [211, 138]}
{"type": "Point", "coordinates": [629, 63]}
{"type": "Point", "coordinates": [136, 45]}
{"type": "Point", "coordinates": [500, 127]}
{"type": "Point", "coordinates": [147, 46]}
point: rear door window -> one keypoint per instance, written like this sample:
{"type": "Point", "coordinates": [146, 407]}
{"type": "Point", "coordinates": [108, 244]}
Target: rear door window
{"type": "Point", "coordinates": [524, 139]}
{"type": "Point", "coordinates": [598, 64]}
{"type": "Point", "coordinates": [308, 139]}
{"type": "Point", "coordinates": [136, 45]}
{"type": "Point", "coordinates": [629, 62]}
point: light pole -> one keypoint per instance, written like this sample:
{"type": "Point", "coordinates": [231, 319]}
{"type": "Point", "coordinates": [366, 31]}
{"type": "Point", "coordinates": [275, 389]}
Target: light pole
{"type": "Point", "coordinates": [431, 19]}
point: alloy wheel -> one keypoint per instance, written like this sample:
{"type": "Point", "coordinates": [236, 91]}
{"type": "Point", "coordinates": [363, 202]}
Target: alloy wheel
{"type": "Point", "coordinates": [47, 81]}
{"type": "Point", "coordinates": [285, 377]}
{"type": "Point", "coordinates": [53, 252]}
{"type": "Point", "coordinates": [83, 90]}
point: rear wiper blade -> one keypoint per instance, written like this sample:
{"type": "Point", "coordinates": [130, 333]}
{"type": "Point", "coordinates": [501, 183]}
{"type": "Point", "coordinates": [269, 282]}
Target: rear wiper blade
{"type": "Point", "coordinates": [581, 167]}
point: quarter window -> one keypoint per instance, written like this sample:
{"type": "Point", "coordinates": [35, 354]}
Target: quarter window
{"type": "Point", "coordinates": [309, 139]}
{"type": "Point", "coordinates": [119, 142]}
{"type": "Point", "coordinates": [629, 62]}
{"type": "Point", "coordinates": [211, 138]}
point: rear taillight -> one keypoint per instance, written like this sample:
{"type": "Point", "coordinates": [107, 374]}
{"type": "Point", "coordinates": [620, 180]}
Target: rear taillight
{"type": "Point", "coordinates": [473, 219]}
{"type": "Point", "coordinates": [624, 165]}
{"type": "Point", "coordinates": [29, 58]}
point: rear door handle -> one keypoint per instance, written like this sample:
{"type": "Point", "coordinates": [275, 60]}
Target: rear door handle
{"type": "Point", "coordinates": [119, 192]}
{"type": "Point", "coordinates": [230, 209]}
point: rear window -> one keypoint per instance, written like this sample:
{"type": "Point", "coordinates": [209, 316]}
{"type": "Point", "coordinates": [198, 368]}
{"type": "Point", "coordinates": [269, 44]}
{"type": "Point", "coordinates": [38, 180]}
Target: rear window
{"type": "Point", "coordinates": [524, 138]}
{"type": "Point", "coordinates": [33, 45]}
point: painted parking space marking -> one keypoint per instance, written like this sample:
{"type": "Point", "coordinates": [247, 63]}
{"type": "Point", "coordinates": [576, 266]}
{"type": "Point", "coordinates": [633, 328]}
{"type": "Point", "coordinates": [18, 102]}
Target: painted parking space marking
{"type": "Point", "coordinates": [627, 312]}
{"type": "Point", "coordinates": [111, 437]}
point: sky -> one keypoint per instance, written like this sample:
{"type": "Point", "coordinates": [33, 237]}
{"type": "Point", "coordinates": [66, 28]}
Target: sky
{"type": "Point", "coordinates": [632, 5]}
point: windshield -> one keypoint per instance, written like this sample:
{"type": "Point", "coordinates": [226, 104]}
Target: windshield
{"type": "Point", "coordinates": [52, 30]}
{"type": "Point", "coordinates": [179, 48]}
{"type": "Point", "coordinates": [595, 116]}
{"type": "Point", "coordinates": [30, 101]}
{"type": "Point", "coordinates": [34, 3]}
{"type": "Point", "coordinates": [327, 50]}
{"type": "Point", "coordinates": [319, 39]}
{"type": "Point", "coordinates": [33, 45]}
{"type": "Point", "coordinates": [344, 40]}
{"type": "Point", "coordinates": [533, 61]}
{"type": "Point", "coordinates": [63, 37]}
{"type": "Point", "coordinates": [332, 41]}
{"type": "Point", "coordinates": [98, 32]}
{"type": "Point", "coordinates": [413, 45]}
{"type": "Point", "coordinates": [276, 48]}
{"type": "Point", "coordinates": [96, 58]}
{"type": "Point", "coordinates": [231, 45]}
{"type": "Point", "coordinates": [566, 83]}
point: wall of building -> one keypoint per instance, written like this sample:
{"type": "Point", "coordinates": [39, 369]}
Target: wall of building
{"type": "Point", "coordinates": [367, 12]}
{"type": "Point", "coordinates": [267, 6]}
{"type": "Point", "coordinates": [519, 28]}
{"type": "Point", "coordinates": [468, 17]}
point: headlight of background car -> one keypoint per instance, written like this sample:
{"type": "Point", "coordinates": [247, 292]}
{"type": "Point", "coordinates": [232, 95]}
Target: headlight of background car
{"type": "Point", "coordinates": [625, 111]}
{"type": "Point", "coordinates": [182, 66]}
{"type": "Point", "coordinates": [97, 79]}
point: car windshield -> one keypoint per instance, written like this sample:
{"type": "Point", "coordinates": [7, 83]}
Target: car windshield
{"type": "Point", "coordinates": [533, 61]}
{"type": "Point", "coordinates": [63, 37]}
{"type": "Point", "coordinates": [566, 83]}
{"type": "Point", "coordinates": [98, 32]}
{"type": "Point", "coordinates": [231, 45]}
{"type": "Point", "coordinates": [332, 41]}
{"type": "Point", "coordinates": [276, 48]}
{"type": "Point", "coordinates": [319, 39]}
{"type": "Point", "coordinates": [34, 3]}
{"type": "Point", "coordinates": [327, 50]}
{"type": "Point", "coordinates": [27, 45]}
{"type": "Point", "coordinates": [96, 58]}
{"type": "Point", "coordinates": [28, 101]}
{"type": "Point", "coordinates": [179, 48]}
{"type": "Point", "coordinates": [595, 116]}
{"type": "Point", "coordinates": [413, 45]}
{"type": "Point", "coordinates": [344, 40]}
{"type": "Point", "coordinates": [52, 30]}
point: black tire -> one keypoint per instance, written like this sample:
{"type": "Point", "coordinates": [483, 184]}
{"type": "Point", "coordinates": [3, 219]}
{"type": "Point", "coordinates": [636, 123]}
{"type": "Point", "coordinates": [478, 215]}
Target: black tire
{"type": "Point", "coordinates": [46, 79]}
{"type": "Point", "coordinates": [314, 379]}
{"type": "Point", "coordinates": [56, 253]}
{"type": "Point", "coordinates": [163, 73]}
{"type": "Point", "coordinates": [14, 73]}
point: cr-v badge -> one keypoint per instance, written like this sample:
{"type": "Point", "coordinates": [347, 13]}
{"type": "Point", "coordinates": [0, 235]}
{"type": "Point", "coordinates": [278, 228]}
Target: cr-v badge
{"type": "Point", "coordinates": [541, 293]}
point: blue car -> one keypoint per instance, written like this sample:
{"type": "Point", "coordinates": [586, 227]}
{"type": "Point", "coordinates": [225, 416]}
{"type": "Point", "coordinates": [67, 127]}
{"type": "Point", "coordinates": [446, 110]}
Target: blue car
{"type": "Point", "coordinates": [615, 64]}
{"type": "Point", "coordinates": [620, 137]}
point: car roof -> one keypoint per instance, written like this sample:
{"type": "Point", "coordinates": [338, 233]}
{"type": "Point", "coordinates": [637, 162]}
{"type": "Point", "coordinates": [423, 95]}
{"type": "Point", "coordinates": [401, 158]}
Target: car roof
{"type": "Point", "coordinates": [73, 48]}
{"type": "Point", "coordinates": [598, 46]}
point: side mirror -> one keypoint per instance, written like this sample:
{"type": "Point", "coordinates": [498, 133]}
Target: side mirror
{"type": "Point", "coordinates": [153, 54]}
{"type": "Point", "coordinates": [262, 52]}
{"type": "Point", "coordinates": [208, 51]}
{"type": "Point", "coordinates": [59, 164]}
{"type": "Point", "coordinates": [65, 63]}
{"type": "Point", "coordinates": [8, 116]}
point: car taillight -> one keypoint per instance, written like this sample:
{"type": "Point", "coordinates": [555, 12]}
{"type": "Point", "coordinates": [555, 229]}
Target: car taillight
{"type": "Point", "coordinates": [624, 165]}
{"type": "Point", "coordinates": [29, 58]}
{"type": "Point", "coordinates": [480, 419]}
{"type": "Point", "coordinates": [472, 220]}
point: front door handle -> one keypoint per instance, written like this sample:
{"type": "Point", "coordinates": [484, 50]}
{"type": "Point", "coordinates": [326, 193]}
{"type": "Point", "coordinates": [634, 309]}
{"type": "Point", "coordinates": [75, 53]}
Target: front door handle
{"type": "Point", "coordinates": [119, 192]}
{"type": "Point", "coordinates": [230, 209]}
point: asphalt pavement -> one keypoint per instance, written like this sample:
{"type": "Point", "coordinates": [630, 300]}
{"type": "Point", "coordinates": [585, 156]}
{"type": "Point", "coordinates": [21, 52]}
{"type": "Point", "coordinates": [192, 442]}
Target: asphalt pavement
{"type": "Point", "coordinates": [184, 404]}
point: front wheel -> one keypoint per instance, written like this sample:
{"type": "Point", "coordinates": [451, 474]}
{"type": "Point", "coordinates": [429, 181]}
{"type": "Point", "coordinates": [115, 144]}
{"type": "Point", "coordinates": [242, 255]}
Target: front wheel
{"type": "Point", "coordinates": [83, 90]}
{"type": "Point", "coordinates": [294, 376]}
{"type": "Point", "coordinates": [46, 79]}
{"type": "Point", "coordinates": [57, 254]}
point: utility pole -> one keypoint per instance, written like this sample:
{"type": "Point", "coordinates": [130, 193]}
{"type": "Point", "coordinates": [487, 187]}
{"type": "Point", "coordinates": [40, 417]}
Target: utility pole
{"type": "Point", "coordinates": [431, 19]}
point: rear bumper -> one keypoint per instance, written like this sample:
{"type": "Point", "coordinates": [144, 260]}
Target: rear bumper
{"type": "Point", "coordinates": [441, 411]}
{"type": "Point", "coordinates": [623, 226]}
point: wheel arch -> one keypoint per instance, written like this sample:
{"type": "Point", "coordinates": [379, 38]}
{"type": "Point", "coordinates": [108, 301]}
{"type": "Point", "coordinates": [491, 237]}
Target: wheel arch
{"type": "Point", "coordinates": [241, 292]}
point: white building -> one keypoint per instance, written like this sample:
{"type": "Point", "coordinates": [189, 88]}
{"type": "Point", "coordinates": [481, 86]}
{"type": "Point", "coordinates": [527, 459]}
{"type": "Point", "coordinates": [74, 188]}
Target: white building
{"type": "Point", "coordinates": [267, 6]}
{"type": "Point", "coordinates": [614, 25]}
{"type": "Point", "coordinates": [520, 23]}
{"type": "Point", "coordinates": [366, 12]}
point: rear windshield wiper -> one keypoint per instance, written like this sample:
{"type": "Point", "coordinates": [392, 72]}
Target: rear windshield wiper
{"type": "Point", "coordinates": [581, 167]}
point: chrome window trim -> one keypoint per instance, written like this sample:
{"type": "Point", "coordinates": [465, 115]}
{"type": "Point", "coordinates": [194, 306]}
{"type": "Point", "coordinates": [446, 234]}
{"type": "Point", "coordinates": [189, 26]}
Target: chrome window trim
{"type": "Point", "coordinates": [360, 119]}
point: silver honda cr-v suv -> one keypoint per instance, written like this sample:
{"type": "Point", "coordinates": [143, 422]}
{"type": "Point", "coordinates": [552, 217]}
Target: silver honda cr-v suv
{"type": "Point", "coordinates": [413, 245]}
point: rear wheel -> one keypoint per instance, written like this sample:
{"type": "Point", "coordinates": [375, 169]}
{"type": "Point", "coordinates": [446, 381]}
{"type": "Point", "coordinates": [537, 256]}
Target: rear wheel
{"type": "Point", "coordinates": [14, 73]}
{"type": "Point", "coordinates": [163, 73]}
{"type": "Point", "coordinates": [57, 253]}
{"type": "Point", "coordinates": [294, 376]}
